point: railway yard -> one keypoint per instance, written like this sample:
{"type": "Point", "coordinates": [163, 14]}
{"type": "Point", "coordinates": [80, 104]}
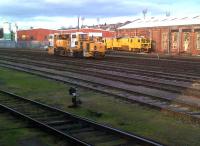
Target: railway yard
{"type": "Point", "coordinates": [127, 99]}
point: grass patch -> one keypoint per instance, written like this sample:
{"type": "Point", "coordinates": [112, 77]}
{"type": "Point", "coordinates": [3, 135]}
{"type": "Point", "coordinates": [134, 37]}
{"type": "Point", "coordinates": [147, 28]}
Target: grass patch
{"type": "Point", "coordinates": [104, 109]}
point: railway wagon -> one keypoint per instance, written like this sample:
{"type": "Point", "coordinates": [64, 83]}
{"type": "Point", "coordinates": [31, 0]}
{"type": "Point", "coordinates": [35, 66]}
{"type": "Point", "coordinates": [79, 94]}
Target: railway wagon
{"type": "Point", "coordinates": [135, 44]}
{"type": "Point", "coordinates": [76, 45]}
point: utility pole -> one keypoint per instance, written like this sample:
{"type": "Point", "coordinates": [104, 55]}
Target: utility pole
{"type": "Point", "coordinates": [169, 40]}
{"type": "Point", "coordinates": [78, 22]}
{"type": "Point", "coordinates": [144, 12]}
{"type": "Point", "coordinates": [98, 20]}
{"type": "Point", "coordinates": [168, 14]}
{"type": "Point", "coordinates": [82, 19]}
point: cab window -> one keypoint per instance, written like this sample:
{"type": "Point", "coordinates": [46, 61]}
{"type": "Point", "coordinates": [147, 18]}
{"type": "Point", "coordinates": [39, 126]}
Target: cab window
{"type": "Point", "coordinates": [73, 36]}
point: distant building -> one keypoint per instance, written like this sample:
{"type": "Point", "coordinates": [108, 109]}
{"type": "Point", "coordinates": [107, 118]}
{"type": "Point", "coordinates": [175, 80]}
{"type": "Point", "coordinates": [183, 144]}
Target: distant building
{"type": "Point", "coordinates": [109, 27]}
{"type": "Point", "coordinates": [8, 31]}
{"type": "Point", "coordinates": [38, 34]}
{"type": "Point", "coordinates": [41, 34]}
{"type": "Point", "coordinates": [169, 35]}
{"type": "Point", "coordinates": [105, 33]}
{"type": "Point", "coordinates": [1, 33]}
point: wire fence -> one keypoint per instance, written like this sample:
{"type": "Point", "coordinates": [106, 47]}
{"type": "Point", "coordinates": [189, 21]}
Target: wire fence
{"type": "Point", "coordinates": [24, 44]}
{"type": "Point", "coordinates": [7, 44]}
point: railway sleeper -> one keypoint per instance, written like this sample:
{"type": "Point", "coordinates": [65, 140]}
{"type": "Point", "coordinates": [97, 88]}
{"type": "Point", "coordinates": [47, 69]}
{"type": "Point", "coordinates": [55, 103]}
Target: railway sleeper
{"type": "Point", "coordinates": [103, 139]}
{"type": "Point", "coordinates": [127, 144]}
{"type": "Point", "coordinates": [59, 122]}
{"type": "Point", "coordinates": [48, 118]}
{"type": "Point", "coordinates": [82, 130]}
{"type": "Point", "coordinates": [11, 102]}
{"type": "Point", "coordinates": [32, 110]}
{"type": "Point", "coordinates": [35, 114]}
{"type": "Point", "coordinates": [2, 100]}
{"type": "Point", "coordinates": [197, 116]}
{"type": "Point", "coordinates": [112, 142]}
{"type": "Point", "coordinates": [92, 133]}
{"type": "Point", "coordinates": [67, 126]}
{"type": "Point", "coordinates": [78, 128]}
{"type": "Point", "coordinates": [194, 113]}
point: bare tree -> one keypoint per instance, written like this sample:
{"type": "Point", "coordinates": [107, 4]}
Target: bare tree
{"type": "Point", "coordinates": [144, 12]}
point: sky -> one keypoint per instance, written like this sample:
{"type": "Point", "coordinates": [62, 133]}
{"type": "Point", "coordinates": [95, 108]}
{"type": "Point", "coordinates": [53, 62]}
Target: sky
{"type": "Point", "coordinates": [55, 14]}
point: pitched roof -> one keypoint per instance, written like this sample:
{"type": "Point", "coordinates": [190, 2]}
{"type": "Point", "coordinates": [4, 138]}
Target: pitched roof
{"type": "Point", "coordinates": [162, 22]}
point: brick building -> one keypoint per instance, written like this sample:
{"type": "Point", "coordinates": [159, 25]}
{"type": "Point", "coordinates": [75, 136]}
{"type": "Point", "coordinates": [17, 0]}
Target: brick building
{"type": "Point", "coordinates": [41, 34]}
{"type": "Point", "coordinates": [105, 33]}
{"type": "Point", "coordinates": [169, 35]}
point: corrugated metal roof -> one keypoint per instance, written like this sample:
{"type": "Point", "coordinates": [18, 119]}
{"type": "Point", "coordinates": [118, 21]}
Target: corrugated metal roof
{"type": "Point", "coordinates": [162, 22]}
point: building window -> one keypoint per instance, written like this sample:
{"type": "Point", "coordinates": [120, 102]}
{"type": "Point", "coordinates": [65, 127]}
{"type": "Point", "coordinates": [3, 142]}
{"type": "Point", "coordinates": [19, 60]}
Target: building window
{"type": "Point", "coordinates": [174, 40]}
{"type": "Point", "coordinates": [165, 41]}
{"type": "Point", "coordinates": [32, 38]}
{"type": "Point", "coordinates": [186, 36]}
{"type": "Point", "coordinates": [45, 37]}
{"type": "Point", "coordinates": [1, 32]}
{"type": "Point", "coordinates": [23, 37]}
{"type": "Point", "coordinates": [198, 40]}
{"type": "Point", "coordinates": [175, 36]}
{"type": "Point", "coordinates": [186, 41]}
{"type": "Point", "coordinates": [73, 36]}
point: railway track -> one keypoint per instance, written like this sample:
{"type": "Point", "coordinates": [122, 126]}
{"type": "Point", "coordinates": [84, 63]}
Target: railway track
{"type": "Point", "coordinates": [127, 67]}
{"type": "Point", "coordinates": [79, 131]}
{"type": "Point", "coordinates": [116, 84]}
{"type": "Point", "coordinates": [120, 68]}
{"type": "Point", "coordinates": [165, 64]}
{"type": "Point", "coordinates": [177, 108]}
{"type": "Point", "coordinates": [123, 54]}
{"type": "Point", "coordinates": [169, 58]}
{"type": "Point", "coordinates": [133, 79]}
{"type": "Point", "coordinates": [169, 65]}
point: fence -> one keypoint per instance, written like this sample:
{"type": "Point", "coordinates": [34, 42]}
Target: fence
{"type": "Point", "coordinates": [7, 44]}
{"type": "Point", "coordinates": [23, 44]}
{"type": "Point", "coordinates": [32, 44]}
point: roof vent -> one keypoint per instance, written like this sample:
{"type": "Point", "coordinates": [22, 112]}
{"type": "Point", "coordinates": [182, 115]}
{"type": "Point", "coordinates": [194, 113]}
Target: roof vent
{"type": "Point", "coordinates": [164, 19]}
{"type": "Point", "coordinates": [184, 18]}
{"type": "Point", "coordinates": [195, 17]}
{"type": "Point", "coordinates": [174, 18]}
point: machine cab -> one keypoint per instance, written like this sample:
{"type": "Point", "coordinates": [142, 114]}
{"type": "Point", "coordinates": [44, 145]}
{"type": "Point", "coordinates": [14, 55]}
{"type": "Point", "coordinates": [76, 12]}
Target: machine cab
{"type": "Point", "coordinates": [75, 39]}
{"type": "Point", "coordinates": [51, 40]}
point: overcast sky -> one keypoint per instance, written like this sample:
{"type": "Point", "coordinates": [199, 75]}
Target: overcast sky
{"type": "Point", "coordinates": [57, 13]}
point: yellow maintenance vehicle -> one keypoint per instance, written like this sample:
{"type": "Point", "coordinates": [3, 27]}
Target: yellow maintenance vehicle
{"type": "Point", "coordinates": [135, 44]}
{"type": "Point", "coordinates": [77, 45]}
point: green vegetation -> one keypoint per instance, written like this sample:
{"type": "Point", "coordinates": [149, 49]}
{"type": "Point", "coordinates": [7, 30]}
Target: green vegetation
{"type": "Point", "coordinates": [104, 109]}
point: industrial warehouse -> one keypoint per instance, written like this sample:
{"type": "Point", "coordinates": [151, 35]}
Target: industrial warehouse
{"type": "Point", "coordinates": [99, 73]}
{"type": "Point", "coordinates": [168, 35]}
